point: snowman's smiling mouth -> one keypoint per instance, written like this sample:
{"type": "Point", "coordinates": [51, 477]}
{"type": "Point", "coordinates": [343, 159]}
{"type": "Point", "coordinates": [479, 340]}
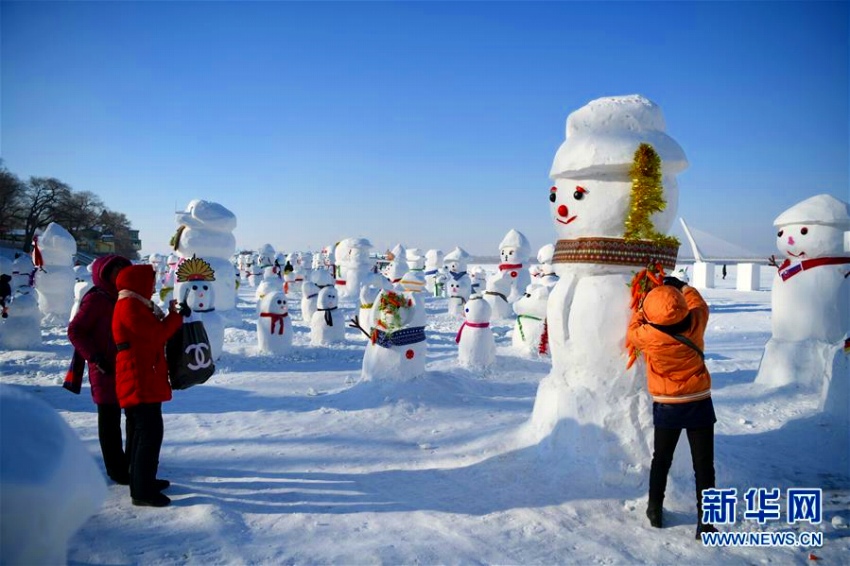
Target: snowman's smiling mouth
{"type": "Point", "coordinates": [801, 254]}
{"type": "Point", "coordinates": [568, 220]}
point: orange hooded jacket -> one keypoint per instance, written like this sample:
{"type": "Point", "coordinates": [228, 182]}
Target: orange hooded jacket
{"type": "Point", "coordinates": [675, 372]}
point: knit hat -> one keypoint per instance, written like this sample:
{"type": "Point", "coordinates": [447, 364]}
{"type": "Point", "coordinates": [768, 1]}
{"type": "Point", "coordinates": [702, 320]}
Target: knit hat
{"type": "Point", "coordinates": [665, 305]}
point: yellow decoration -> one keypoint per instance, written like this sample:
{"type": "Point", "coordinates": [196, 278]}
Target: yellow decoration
{"type": "Point", "coordinates": [647, 198]}
{"type": "Point", "coordinates": [195, 269]}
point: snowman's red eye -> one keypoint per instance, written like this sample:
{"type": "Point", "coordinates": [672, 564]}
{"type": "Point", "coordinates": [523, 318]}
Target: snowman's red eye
{"type": "Point", "coordinates": [779, 234]}
{"type": "Point", "coordinates": [804, 231]}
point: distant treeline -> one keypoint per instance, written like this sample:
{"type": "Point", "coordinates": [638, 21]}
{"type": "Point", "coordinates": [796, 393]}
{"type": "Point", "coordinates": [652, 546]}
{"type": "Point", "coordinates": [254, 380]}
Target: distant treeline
{"type": "Point", "coordinates": [29, 205]}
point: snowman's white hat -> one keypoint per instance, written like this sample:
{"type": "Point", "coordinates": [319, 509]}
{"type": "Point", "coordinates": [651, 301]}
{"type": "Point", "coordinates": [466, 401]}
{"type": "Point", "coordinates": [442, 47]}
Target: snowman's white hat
{"type": "Point", "coordinates": [515, 239]}
{"type": "Point", "coordinates": [546, 253]}
{"type": "Point", "coordinates": [602, 137]}
{"type": "Point", "coordinates": [819, 209]}
{"type": "Point", "coordinates": [457, 254]}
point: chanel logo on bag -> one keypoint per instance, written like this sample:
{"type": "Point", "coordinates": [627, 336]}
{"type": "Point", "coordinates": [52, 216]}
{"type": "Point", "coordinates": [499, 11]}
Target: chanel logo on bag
{"type": "Point", "coordinates": [202, 359]}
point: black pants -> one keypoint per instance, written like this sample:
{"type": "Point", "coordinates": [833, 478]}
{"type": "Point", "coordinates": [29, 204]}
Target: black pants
{"type": "Point", "coordinates": [144, 450]}
{"type": "Point", "coordinates": [701, 441]}
{"type": "Point", "coordinates": [116, 457]}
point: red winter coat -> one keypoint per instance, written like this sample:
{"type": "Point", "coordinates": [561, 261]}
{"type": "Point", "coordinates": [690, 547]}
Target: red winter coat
{"type": "Point", "coordinates": [90, 331]}
{"type": "Point", "coordinates": [141, 374]}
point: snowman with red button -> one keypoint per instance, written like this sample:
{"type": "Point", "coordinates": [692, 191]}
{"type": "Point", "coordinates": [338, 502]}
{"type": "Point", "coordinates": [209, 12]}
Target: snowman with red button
{"type": "Point", "coordinates": [194, 286]}
{"type": "Point", "coordinates": [591, 407]}
{"type": "Point", "coordinates": [396, 348]}
{"type": "Point", "coordinates": [810, 302]}
{"type": "Point", "coordinates": [514, 252]}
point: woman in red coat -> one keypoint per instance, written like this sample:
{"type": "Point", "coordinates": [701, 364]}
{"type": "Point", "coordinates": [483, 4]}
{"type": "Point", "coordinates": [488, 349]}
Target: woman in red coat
{"type": "Point", "coordinates": [141, 330]}
{"type": "Point", "coordinates": [91, 334]}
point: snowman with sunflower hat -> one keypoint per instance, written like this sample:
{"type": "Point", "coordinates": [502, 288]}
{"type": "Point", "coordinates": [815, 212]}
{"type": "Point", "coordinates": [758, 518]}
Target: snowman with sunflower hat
{"type": "Point", "coordinates": [194, 287]}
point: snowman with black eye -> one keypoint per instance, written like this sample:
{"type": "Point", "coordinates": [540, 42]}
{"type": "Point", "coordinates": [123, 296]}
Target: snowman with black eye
{"type": "Point", "coordinates": [194, 286]}
{"type": "Point", "coordinates": [810, 297]}
{"type": "Point", "coordinates": [590, 387]}
{"type": "Point", "coordinates": [274, 328]}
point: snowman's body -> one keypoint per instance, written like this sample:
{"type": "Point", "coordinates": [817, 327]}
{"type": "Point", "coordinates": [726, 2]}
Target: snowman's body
{"type": "Point", "coordinates": [206, 231]}
{"type": "Point", "coordinates": [274, 327]}
{"type": "Point", "coordinates": [810, 302]}
{"type": "Point", "coordinates": [55, 281]}
{"type": "Point", "coordinates": [498, 289]}
{"type": "Point", "coordinates": [590, 403]}
{"type": "Point", "coordinates": [270, 284]}
{"type": "Point", "coordinates": [309, 298]}
{"type": "Point", "coordinates": [397, 348]}
{"type": "Point", "coordinates": [327, 325]}
{"type": "Point", "coordinates": [22, 329]}
{"type": "Point", "coordinates": [530, 323]}
{"type": "Point", "coordinates": [255, 275]}
{"type": "Point", "coordinates": [514, 251]}
{"type": "Point", "coordinates": [433, 262]}
{"type": "Point", "coordinates": [476, 345]}
{"type": "Point", "coordinates": [458, 292]}
{"type": "Point", "coordinates": [200, 297]}
{"type": "Point", "coordinates": [413, 281]}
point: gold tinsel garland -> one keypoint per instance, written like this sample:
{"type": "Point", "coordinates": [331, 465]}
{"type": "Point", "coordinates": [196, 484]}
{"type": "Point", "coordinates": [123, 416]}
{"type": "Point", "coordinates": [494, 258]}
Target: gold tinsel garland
{"type": "Point", "coordinates": [647, 198]}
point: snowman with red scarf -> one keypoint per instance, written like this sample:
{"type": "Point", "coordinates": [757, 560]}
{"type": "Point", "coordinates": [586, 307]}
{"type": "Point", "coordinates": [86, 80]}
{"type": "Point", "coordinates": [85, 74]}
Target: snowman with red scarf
{"type": "Point", "coordinates": [810, 299]}
{"type": "Point", "coordinates": [274, 328]}
{"type": "Point", "coordinates": [514, 252]}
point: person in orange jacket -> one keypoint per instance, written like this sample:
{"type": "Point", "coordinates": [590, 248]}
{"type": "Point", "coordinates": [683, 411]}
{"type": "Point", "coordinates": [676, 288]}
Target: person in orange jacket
{"type": "Point", "coordinates": [140, 330]}
{"type": "Point", "coordinates": [669, 329]}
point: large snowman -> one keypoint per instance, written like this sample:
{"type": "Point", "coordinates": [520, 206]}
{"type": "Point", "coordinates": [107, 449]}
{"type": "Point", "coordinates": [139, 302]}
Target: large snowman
{"type": "Point", "coordinates": [810, 301]}
{"type": "Point", "coordinates": [206, 231]}
{"type": "Point", "coordinates": [55, 278]}
{"type": "Point", "coordinates": [592, 409]}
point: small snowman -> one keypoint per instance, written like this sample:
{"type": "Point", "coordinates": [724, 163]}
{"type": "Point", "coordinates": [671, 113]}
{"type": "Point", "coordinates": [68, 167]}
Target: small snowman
{"type": "Point", "coordinates": [529, 334]}
{"type": "Point", "coordinates": [355, 264]}
{"type": "Point", "coordinates": [81, 287]}
{"type": "Point", "coordinates": [478, 277]}
{"type": "Point", "coordinates": [413, 281]}
{"type": "Point", "coordinates": [415, 259]}
{"type": "Point", "coordinates": [458, 291]}
{"type": "Point", "coordinates": [23, 272]}
{"type": "Point", "coordinates": [194, 286]}
{"type": "Point", "coordinates": [309, 299]}
{"type": "Point", "coordinates": [327, 326]}
{"type": "Point", "coordinates": [398, 264]}
{"type": "Point", "coordinates": [255, 273]}
{"type": "Point", "coordinates": [269, 284]}
{"type": "Point", "coordinates": [433, 263]}
{"type": "Point", "coordinates": [397, 348]}
{"type": "Point", "coordinates": [21, 329]}
{"type": "Point", "coordinates": [496, 294]}
{"type": "Point", "coordinates": [274, 328]}
{"type": "Point", "coordinates": [304, 270]}
{"type": "Point", "coordinates": [547, 275]}
{"type": "Point", "coordinates": [475, 341]}
{"type": "Point", "coordinates": [810, 301]}
{"type": "Point", "coordinates": [514, 251]}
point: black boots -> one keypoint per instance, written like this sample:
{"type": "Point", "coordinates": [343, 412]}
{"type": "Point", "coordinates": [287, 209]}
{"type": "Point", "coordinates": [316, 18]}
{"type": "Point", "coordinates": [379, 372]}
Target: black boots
{"type": "Point", "coordinates": [704, 528]}
{"type": "Point", "coordinates": [654, 512]}
{"type": "Point", "coordinates": [158, 500]}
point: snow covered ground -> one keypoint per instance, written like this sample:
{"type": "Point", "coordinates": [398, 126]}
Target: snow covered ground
{"type": "Point", "coordinates": [288, 460]}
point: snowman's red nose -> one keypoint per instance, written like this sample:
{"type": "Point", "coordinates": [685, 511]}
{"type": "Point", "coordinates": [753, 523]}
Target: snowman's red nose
{"type": "Point", "coordinates": [790, 240]}
{"type": "Point", "coordinates": [563, 210]}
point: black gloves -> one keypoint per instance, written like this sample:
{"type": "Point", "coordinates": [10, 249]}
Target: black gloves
{"type": "Point", "coordinates": [673, 282]}
{"type": "Point", "coordinates": [184, 309]}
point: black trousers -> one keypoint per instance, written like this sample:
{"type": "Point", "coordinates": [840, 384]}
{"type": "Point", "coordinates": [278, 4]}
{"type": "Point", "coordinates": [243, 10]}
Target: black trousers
{"type": "Point", "coordinates": [701, 441]}
{"type": "Point", "coordinates": [115, 453]}
{"type": "Point", "coordinates": [145, 447]}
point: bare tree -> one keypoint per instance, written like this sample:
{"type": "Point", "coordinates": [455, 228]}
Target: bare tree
{"type": "Point", "coordinates": [116, 224]}
{"type": "Point", "coordinates": [40, 199]}
{"type": "Point", "coordinates": [11, 193]}
{"type": "Point", "coordinates": [79, 211]}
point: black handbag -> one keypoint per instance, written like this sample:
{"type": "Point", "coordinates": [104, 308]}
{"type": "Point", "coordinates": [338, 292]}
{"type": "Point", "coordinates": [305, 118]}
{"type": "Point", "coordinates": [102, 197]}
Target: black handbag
{"type": "Point", "coordinates": [189, 356]}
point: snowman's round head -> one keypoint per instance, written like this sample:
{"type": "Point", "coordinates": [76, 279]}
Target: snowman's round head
{"type": "Point", "coordinates": [546, 253]}
{"type": "Point", "coordinates": [813, 228]}
{"type": "Point", "coordinates": [533, 302]}
{"type": "Point", "coordinates": [514, 248]}
{"type": "Point", "coordinates": [199, 295]}
{"type": "Point", "coordinates": [274, 303]}
{"type": "Point", "coordinates": [477, 310]}
{"type": "Point", "coordinates": [804, 241]}
{"type": "Point", "coordinates": [453, 287]}
{"type": "Point", "coordinates": [327, 298]}
{"type": "Point", "coordinates": [592, 187]}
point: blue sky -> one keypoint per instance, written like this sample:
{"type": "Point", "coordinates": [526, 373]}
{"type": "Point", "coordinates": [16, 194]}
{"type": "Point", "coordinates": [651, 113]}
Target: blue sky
{"type": "Point", "coordinates": [429, 124]}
